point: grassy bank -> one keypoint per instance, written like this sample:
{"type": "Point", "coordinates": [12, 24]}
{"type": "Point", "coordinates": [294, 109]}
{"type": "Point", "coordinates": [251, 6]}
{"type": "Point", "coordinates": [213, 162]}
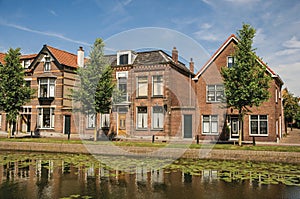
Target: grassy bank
{"type": "Point", "coordinates": [278, 148]}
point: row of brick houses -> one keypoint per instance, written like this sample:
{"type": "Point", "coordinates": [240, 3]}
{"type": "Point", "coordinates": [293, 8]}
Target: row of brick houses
{"type": "Point", "coordinates": [161, 96]}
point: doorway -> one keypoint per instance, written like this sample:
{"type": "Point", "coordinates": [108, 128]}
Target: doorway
{"type": "Point", "coordinates": [67, 126]}
{"type": "Point", "coordinates": [187, 126]}
{"type": "Point", "coordinates": [234, 127]}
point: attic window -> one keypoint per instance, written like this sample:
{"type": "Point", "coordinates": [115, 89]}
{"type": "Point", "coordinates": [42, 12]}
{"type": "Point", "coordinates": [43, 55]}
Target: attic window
{"type": "Point", "coordinates": [26, 63]}
{"type": "Point", "coordinates": [47, 65]}
{"type": "Point", "coordinates": [230, 61]}
{"type": "Point", "coordinates": [123, 59]}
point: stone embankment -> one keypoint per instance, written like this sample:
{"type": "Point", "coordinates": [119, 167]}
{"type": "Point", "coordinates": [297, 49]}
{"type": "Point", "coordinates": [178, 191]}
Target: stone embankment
{"type": "Point", "coordinates": [111, 149]}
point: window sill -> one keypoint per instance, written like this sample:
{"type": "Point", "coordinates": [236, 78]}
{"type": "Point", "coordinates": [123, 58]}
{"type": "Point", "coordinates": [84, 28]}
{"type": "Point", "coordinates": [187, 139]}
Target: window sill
{"type": "Point", "coordinates": [157, 96]}
{"type": "Point", "coordinates": [46, 128]}
{"type": "Point", "coordinates": [259, 135]}
{"type": "Point", "coordinates": [142, 97]}
{"type": "Point", "coordinates": [142, 129]}
{"type": "Point", "coordinates": [214, 102]}
{"type": "Point", "coordinates": [157, 129]}
{"type": "Point", "coordinates": [212, 134]}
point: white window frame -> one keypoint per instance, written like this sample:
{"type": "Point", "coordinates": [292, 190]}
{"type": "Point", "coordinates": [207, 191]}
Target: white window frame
{"type": "Point", "coordinates": [259, 120]}
{"type": "Point", "coordinates": [50, 87]}
{"type": "Point", "coordinates": [140, 86]}
{"type": "Point", "coordinates": [47, 64]}
{"type": "Point", "coordinates": [104, 120]}
{"type": "Point", "coordinates": [141, 125]}
{"type": "Point", "coordinates": [228, 61]}
{"type": "Point", "coordinates": [276, 95]}
{"type": "Point", "coordinates": [157, 85]}
{"type": "Point", "coordinates": [157, 121]}
{"type": "Point", "coordinates": [90, 120]}
{"type": "Point", "coordinates": [119, 75]}
{"type": "Point", "coordinates": [215, 93]}
{"type": "Point", "coordinates": [210, 123]}
{"type": "Point", "coordinates": [40, 113]}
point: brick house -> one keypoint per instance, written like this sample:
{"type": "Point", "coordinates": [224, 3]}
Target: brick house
{"type": "Point", "coordinates": [265, 122]}
{"type": "Point", "coordinates": [158, 94]}
{"type": "Point", "coordinates": [51, 73]}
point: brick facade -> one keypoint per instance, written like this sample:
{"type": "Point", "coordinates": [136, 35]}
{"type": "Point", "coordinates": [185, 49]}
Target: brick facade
{"type": "Point", "coordinates": [162, 97]}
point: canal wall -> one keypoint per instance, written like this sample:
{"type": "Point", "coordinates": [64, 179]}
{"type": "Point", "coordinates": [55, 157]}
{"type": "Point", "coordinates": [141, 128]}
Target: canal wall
{"type": "Point", "coordinates": [111, 149]}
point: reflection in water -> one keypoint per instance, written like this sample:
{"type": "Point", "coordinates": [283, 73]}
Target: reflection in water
{"type": "Point", "coordinates": [58, 176]}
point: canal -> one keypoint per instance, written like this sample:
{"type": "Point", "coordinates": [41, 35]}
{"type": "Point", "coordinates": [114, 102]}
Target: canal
{"type": "Point", "coordinates": [47, 175]}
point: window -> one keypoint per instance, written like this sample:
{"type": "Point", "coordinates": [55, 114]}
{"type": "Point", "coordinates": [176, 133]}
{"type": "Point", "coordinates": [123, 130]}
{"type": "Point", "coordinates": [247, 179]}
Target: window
{"type": "Point", "coordinates": [105, 120]}
{"type": "Point", "coordinates": [157, 117]}
{"type": "Point", "coordinates": [259, 125]}
{"type": "Point", "coordinates": [46, 87]}
{"type": "Point", "coordinates": [123, 59]}
{"type": "Point", "coordinates": [91, 121]}
{"type": "Point", "coordinates": [47, 64]}
{"type": "Point", "coordinates": [215, 93]}
{"type": "Point", "coordinates": [210, 124]}
{"type": "Point", "coordinates": [142, 117]}
{"type": "Point", "coordinates": [0, 120]}
{"type": "Point", "coordinates": [276, 95]}
{"type": "Point", "coordinates": [26, 63]}
{"type": "Point", "coordinates": [230, 61]}
{"type": "Point", "coordinates": [122, 86]}
{"type": "Point", "coordinates": [46, 117]}
{"type": "Point", "coordinates": [142, 87]}
{"type": "Point", "coordinates": [157, 83]}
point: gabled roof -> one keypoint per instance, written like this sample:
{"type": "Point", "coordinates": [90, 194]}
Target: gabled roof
{"type": "Point", "coordinates": [63, 57]}
{"type": "Point", "coordinates": [30, 56]}
{"type": "Point", "coordinates": [232, 38]}
{"type": "Point", "coordinates": [153, 57]}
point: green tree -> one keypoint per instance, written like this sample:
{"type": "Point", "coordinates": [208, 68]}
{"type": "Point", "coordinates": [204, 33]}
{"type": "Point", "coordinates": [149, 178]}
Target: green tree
{"type": "Point", "coordinates": [14, 92]}
{"type": "Point", "coordinates": [246, 83]}
{"type": "Point", "coordinates": [290, 107]}
{"type": "Point", "coordinates": [94, 92]}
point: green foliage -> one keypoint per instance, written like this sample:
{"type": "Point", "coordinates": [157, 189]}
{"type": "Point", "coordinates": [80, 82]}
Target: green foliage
{"type": "Point", "coordinates": [105, 88]}
{"type": "Point", "coordinates": [290, 106]}
{"type": "Point", "coordinates": [94, 92]}
{"type": "Point", "coordinates": [246, 84]}
{"type": "Point", "coordinates": [14, 92]}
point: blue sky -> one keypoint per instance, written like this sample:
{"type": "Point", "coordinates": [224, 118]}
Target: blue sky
{"type": "Point", "coordinates": [204, 24]}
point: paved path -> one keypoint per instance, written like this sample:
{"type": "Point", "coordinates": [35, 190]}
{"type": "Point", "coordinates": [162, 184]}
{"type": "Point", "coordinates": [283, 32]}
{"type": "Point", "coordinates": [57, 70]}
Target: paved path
{"type": "Point", "coordinates": [293, 137]}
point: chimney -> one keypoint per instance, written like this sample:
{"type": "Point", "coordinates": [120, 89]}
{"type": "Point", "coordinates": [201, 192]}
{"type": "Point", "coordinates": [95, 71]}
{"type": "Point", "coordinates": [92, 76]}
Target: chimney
{"type": "Point", "coordinates": [80, 57]}
{"type": "Point", "coordinates": [192, 65]}
{"type": "Point", "coordinates": [175, 55]}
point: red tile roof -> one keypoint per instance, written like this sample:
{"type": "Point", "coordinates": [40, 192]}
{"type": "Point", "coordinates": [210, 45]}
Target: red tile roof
{"type": "Point", "coordinates": [30, 56]}
{"type": "Point", "coordinates": [63, 57]}
{"type": "Point", "coordinates": [2, 55]}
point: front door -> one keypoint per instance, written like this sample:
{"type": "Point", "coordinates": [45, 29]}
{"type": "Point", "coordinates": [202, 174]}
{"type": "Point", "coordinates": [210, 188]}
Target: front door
{"type": "Point", "coordinates": [187, 126]}
{"type": "Point", "coordinates": [122, 124]}
{"type": "Point", "coordinates": [25, 123]}
{"type": "Point", "coordinates": [234, 128]}
{"type": "Point", "coordinates": [67, 124]}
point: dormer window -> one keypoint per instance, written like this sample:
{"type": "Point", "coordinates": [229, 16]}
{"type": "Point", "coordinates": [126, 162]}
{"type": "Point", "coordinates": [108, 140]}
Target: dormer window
{"type": "Point", "coordinates": [230, 61]}
{"type": "Point", "coordinates": [47, 64]}
{"type": "Point", "coordinates": [26, 63]}
{"type": "Point", "coordinates": [125, 57]}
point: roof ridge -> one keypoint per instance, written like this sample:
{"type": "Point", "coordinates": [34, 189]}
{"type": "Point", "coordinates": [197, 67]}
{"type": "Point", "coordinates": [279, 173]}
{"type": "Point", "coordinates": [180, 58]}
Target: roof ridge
{"type": "Point", "coordinates": [60, 50]}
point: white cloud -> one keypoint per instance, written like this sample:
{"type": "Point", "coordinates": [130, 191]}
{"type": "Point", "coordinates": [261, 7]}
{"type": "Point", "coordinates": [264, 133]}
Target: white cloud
{"type": "Point", "coordinates": [287, 52]}
{"type": "Point", "coordinates": [292, 43]}
{"type": "Point", "coordinates": [50, 34]}
{"type": "Point", "coordinates": [290, 75]}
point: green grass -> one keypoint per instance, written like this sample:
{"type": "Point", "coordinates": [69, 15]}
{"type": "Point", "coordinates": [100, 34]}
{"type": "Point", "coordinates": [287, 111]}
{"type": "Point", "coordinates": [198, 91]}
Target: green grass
{"type": "Point", "coordinates": [159, 144]}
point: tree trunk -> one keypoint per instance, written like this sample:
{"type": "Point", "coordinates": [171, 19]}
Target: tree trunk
{"type": "Point", "coordinates": [8, 130]}
{"type": "Point", "coordinates": [241, 121]}
{"type": "Point", "coordinates": [96, 127]}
